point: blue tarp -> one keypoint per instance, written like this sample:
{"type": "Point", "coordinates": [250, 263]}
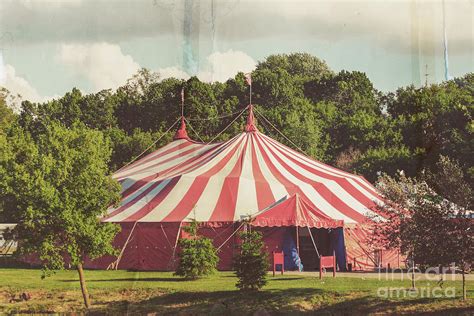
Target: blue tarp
{"type": "Point", "coordinates": [339, 247]}
{"type": "Point", "coordinates": [292, 260]}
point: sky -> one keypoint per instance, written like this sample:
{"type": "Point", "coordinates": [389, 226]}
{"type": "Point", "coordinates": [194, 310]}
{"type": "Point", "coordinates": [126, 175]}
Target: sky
{"type": "Point", "coordinates": [48, 47]}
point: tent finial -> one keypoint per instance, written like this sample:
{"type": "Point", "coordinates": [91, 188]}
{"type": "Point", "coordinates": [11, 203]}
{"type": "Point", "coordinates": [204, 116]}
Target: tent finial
{"type": "Point", "coordinates": [181, 132]}
{"type": "Point", "coordinates": [250, 127]}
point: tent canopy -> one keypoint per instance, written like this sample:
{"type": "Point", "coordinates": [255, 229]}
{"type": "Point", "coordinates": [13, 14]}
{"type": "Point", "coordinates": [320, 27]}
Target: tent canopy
{"type": "Point", "coordinates": [294, 211]}
{"type": "Point", "coordinates": [221, 182]}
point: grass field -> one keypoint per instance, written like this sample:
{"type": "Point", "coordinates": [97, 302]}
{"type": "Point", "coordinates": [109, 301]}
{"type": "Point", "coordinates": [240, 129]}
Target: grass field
{"type": "Point", "coordinates": [120, 292]}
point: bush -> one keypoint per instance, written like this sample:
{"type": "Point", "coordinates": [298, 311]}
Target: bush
{"type": "Point", "coordinates": [252, 262]}
{"type": "Point", "coordinates": [198, 256]}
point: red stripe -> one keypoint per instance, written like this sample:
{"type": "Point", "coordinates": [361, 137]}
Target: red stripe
{"type": "Point", "coordinates": [325, 193]}
{"type": "Point", "coordinates": [157, 199]}
{"type": "Point", "coordinates": [343, 182]}
{"type": "Point", "coordinates": [290, 187]}
{"type": "Point", "coordinates": [367, 185]}
{"type": "Point", "coordinates": [146, 180]}
{"type": "Point", "coordinates": [193, 194]}
{"type": "Point", "coordinates": [179, 154]}
{"type": "Point", "coordinates": [133, 201]}
{"type": "Point", "coordinates": [137, 185]}
{"type": "Point", "coordinates": [264, 192]}
{"type": "Point", "coordinates": [149, 168]}
{"type": "Point", "coordinates": [157, 154]}
{"type": "Point", "coordinates": [198, 161]}
{"type": "Point", "coordinates": [225, 207]}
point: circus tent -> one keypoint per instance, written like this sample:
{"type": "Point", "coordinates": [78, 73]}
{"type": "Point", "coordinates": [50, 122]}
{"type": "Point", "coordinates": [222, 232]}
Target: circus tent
{"type": "Point", "coordinates": [219, 184]}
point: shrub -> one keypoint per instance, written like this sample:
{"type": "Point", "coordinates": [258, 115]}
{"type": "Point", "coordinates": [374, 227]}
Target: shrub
{"type": "Point", "coordinates": [252, 262]}
{"type": "Point", "coordinates": [198, 256]}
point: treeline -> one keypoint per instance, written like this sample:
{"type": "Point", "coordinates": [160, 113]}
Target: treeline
{"type": "Point", "coordinates": [338, 118]}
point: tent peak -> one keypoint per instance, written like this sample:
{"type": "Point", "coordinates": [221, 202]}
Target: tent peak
{"type": "Point", "coordinates": [181, 132]}
{"type": "Point", "coordinates": [250, 126]}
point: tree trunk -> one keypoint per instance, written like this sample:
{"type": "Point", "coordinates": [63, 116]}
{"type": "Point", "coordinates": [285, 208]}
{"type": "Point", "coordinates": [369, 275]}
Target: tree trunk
{"type": "Point", "coordinates": [413, 274]}
{"type": "Point", "coordinates": [82, 280]}
{"type": "Point", "coordinates": [463, 285]}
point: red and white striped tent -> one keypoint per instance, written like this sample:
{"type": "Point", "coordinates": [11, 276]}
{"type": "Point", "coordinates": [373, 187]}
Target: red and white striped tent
{"type": "Point", "coordinates": [219, 184]}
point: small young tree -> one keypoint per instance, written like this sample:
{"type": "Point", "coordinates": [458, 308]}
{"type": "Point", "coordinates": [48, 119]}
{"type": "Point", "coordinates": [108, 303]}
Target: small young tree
{"type": "Point", "coordinates": [198, 256]}
{"type": "Point", "coordinates": [425, 224]}
{"type": "Point", "coordinates": [56, 187]}
{"type": "Point", "coordinates": [251, 263]}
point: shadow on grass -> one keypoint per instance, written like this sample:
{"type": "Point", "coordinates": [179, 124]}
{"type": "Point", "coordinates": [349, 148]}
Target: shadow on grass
{"type": "Point", "coordinates": [373, 305]}
{"type": "Point", "coordinates": [284, 279]}
{"type": "Point", "coordinates": [288, 301]}
{"type": "Point", "coordinates": [219, 302]}
{"type": "Point", "coordinates": [134, 280]}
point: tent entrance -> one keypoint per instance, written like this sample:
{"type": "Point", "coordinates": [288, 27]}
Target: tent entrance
{"type": "Point", "coordinates": [327, 241]}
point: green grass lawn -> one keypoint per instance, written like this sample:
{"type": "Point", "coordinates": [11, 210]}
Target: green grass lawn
{"type": "Point", "coordinates": [120, 292]}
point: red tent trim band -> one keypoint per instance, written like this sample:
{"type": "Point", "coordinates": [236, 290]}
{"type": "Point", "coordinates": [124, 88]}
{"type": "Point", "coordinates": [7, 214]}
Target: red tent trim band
{"type": "Point", "coordinates": [221, 183]}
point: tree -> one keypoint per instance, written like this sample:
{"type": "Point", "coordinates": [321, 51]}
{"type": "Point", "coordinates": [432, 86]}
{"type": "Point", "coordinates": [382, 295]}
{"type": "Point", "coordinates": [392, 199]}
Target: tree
{"type": "Point", "coordinates": [198, 256]}
{"type": "Point", "coordinates": [437, 120]}
{"type": "Point", "coordinates": [57, 187]}
{"type": "Point", "coordinates": [301, 65]}
{"type": "Point", "coordinates": [425, 224]}
{"type": "Point", "coordinates": [128, 147]}
{"type": "Point", "coordinates": [251, 263]}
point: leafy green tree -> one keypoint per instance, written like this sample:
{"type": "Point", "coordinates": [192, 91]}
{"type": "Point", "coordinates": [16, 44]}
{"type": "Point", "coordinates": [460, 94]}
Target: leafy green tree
{"type": "Point", "coordinates": [322, 113]}
{"type": "Point", "coordinates": [302, 65]}
{"type": "Point", "coordinates": [57, 187]}
{"type": "Point", "coordinates": [251, 263]}
{"type": "Point", "coordinates": [431, 226]}
{"type": "Point", "coordinates": [437, 120]}
{"type": "Point", "coordinates": [198, 256]}
{"type": "Point", "coordinates": [126, 147]}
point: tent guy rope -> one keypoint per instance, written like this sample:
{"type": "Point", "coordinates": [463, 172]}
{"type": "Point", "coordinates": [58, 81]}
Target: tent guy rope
{"type": "Point", "coordinates": [281, 133]}
{"type": "Point", "coordinates": [149, 147]}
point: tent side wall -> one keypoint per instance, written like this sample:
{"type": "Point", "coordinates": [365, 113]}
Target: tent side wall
{"type": "Point", "coordinates": [150, 246]}
{"type": "Point", "coordinates": [361, 253]}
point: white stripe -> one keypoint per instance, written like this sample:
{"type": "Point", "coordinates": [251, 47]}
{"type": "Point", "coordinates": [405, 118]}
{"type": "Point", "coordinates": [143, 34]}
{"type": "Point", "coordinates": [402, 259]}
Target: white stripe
{"type": "Point", "coordinates": [278, 189]}
{"type": "Point", "coordinates": [132, 166]}
{"type": "Point", "coordinates": [157, 169]}
{"type": "Point", "coordinates": [180, 190]}
{"type": "Point", "coordinates": [332, 186]}
{"type": "Point", "coordinates": [208, 200]}
{"type": "Point", "coordinates": [151, 167]}
{"type": "Point", "coordinates": [201, 169]}
{"type": "Point", "coordinates": [309, 191]}
{"type": "Point", "coordinates": [170, 202]}
{"type": "Point", "coordinates": [202, 160]}
{"type": "Point", "coordinates": [353, 179]}
{"type": "Point", "coordinates": [139, 204]}
{"type": "Point", "coordinates": [247, 193]}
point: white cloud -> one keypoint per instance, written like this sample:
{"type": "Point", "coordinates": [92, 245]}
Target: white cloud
{"type": "Point", "coordinates": [103, 64]}
{"type": "Point", "coordinates": [19, 86]}
{"type": "Point", "coordinates": [173, 72]}
{"type": "Point", "coordinates": [106, 67]}
{"type": "Point", "coordinates": [222, 66]}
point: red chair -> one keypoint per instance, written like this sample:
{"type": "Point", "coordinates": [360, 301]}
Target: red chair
{"type": "Point", "coordinates": [327, 262]}
{"type": "Point", "coordinates": [278, 258]}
